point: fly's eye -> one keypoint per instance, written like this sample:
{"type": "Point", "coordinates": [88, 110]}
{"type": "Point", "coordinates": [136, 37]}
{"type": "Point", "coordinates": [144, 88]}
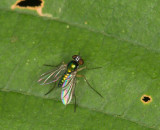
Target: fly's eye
{"type": "Point", "coordinates": [74, 56]}
{"type": "Point", "coordinates": [81, 62]}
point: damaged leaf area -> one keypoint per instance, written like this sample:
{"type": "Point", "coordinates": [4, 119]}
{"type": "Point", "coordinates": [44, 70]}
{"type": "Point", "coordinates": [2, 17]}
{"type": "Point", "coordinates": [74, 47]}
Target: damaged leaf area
{"type": "Point", "coordinates": [146, 99]}
{"type": "Point", "coordinates": [122, 37]}
{"type": "Point", "coordinates": [31, 5]}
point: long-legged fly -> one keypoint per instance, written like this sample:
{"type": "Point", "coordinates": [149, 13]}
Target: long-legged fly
{"type": "Point", "coordinates": [66, 75]}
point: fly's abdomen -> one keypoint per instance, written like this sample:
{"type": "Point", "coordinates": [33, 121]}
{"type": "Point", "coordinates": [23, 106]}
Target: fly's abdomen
{"type": "Point", "coordinates": [63, 79]}
{"type": "Point", "coordinates": [71, 67]}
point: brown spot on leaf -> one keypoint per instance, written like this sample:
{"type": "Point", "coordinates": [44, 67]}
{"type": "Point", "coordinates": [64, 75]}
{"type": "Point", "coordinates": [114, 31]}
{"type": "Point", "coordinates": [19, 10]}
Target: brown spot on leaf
{"type": "Point", "coordinates": [13, 39]}
{"type": "Point", "coordinates": [31, 5]}
{"type": "Point", "coordinates": [85, 22]}
{"type": "Point", "coordinates": [146, 99]}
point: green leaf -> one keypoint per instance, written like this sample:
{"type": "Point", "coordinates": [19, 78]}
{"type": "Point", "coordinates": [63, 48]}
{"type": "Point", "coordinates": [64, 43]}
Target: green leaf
{"type": "Point", "coordinates": [121, 36]}
{"type": "Point", "coordinates": [28, 112]}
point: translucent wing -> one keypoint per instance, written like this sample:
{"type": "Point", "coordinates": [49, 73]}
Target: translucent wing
{"type": "Point", "coordinates": [68, 88]}
{"type": "Point", "coordinates": [53, 75]}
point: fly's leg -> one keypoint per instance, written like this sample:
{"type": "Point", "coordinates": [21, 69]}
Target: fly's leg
{"type": "Point", "coordinates": [53, 65]}
{"type": "Point", "coordinates": [81, 68]}
{"type": "Point", "coordinates": [88, 68]}
{"type": "Point", "coordinates": [75, 105]}
{"type": "Point", "coordinates": [50, 65]}
{"type": "Point", "coordinates": [51, 89]}
{"type": "Point", "coordinates": [89, 85]}
{"type": "Point", "coordinates": [93, 68]}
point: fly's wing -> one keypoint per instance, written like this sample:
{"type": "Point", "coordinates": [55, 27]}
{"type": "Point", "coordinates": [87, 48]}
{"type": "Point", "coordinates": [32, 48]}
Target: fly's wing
{"type": "Point", "coordinates": [68, 88]}
{"type": "Point", "coordinates": [53, 75]}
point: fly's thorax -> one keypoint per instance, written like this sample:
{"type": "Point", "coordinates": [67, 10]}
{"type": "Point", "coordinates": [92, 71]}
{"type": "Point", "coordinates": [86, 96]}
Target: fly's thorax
{"type": "Point", "coordinates": [72, 66]}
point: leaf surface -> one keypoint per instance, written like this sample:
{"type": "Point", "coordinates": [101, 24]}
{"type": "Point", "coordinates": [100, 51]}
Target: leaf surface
{"type": "Point", "coordinates": [120, 36]}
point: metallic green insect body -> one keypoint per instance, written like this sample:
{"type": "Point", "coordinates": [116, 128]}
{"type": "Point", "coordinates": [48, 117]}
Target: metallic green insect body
{"type": "Point", "coordinates": [66, 74]}
{"type": "Point", "coordinates": [71, 67]}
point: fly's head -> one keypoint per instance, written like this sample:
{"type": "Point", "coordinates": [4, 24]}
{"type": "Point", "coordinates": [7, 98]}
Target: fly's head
{"type": "Point", "coordinates": [78, 59]}
{"type": "Point", "coordinates": [74, 64]}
